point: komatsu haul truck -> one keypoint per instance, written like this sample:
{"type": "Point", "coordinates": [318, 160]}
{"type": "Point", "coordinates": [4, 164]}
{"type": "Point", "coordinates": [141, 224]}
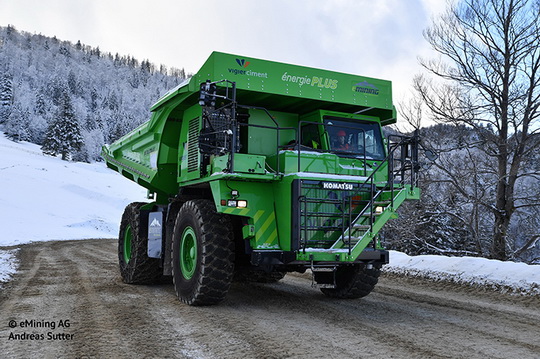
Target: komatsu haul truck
{"type": "Point", "coordinates": [257, 168]}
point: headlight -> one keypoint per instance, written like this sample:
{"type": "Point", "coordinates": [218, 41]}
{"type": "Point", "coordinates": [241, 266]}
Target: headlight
{"type": "Point", "coordinates": [239, 203]}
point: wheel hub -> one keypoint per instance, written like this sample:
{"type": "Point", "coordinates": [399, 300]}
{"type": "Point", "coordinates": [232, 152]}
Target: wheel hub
{"type": "Point", "coordinates": [188, 253]}
{"type": "Point", "coordinates": [127, 244]}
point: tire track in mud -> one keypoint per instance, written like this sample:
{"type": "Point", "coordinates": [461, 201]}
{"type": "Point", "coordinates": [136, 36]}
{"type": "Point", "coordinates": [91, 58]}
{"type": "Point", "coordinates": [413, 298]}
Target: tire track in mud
{"type": "Point", "coordinates": [470, 316]}
{"type": "Point", "coordinates": [454, 319]}
{"type": "Point", "coordinates": [79, 281]}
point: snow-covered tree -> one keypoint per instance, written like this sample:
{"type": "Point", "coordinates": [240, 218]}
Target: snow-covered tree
{"type": "Point", "coordinates": [40, 106]}
{"type": "Point", "coordinates": [17, 124]}
{"type": "Point", "coordinates": [37, 128]}
{"type": "Point", "coordinates": [6, 96]}
{"type": "Point", "coordinates": [64, 134]}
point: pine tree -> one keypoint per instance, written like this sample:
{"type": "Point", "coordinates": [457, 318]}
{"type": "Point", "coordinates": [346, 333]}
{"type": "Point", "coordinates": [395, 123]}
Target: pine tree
{"type": "Point", "coordinates": [73, 83]}
{"type": "Point", "coordinates": [40, 106]}
{"type": "Point", "coordinates": [89, 123]}
{"type": "Point", "coordinates": [94, 97]}
{"type": "Point", "coordinates": [6, 97]}
{"type": "Point", "coordinates": [64, 134]}
{"type": "Point", "coordinates": [17, 124]}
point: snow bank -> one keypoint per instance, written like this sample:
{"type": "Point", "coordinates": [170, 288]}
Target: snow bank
{"type": "Point", "coordinates": [8, 264]}
{"type": "Point", "coordinates": [504, 276]}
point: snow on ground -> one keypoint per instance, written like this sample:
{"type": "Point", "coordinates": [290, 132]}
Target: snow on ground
{"type": "Point", "coordinates": [8, 264]}
{"type": "Point", "coordinates": [45, 198]}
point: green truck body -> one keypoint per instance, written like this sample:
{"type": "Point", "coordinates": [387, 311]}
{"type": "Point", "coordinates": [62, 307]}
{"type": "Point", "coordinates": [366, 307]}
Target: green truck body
{"type": "Point", "coordinates": [291, 162]}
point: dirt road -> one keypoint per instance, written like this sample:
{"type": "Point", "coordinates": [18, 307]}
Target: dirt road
{"type": "Point", "coordinates": [68, 301]}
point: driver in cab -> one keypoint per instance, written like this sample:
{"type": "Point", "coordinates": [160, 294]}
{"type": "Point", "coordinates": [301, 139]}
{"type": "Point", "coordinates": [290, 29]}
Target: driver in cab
{"type": "Point", "coordinates": [341, 141]}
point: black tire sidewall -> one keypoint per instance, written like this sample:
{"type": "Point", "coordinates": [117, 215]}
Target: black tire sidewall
{"type": "Point", "coordinates": [214, 270]}
{"type": "Point", "coordinates": [353, 282]}
{"type": "Point", "coordinates": [188, 287]}
{"type": "Point", "coordinates": [124, 224]}
{"type": "Point", "coordinates": [129, 219]}
{"type": "Point", "coordinates": [140, 269]}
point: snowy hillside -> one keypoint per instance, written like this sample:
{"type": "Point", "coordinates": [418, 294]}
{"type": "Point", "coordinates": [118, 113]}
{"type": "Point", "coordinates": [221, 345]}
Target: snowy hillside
{"type": "Point", "coordinates": [45, 198]}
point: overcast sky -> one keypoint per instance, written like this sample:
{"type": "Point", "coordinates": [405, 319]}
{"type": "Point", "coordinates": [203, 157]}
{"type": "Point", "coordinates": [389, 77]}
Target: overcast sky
{"type": "Point", "coordinates": [376, 38]}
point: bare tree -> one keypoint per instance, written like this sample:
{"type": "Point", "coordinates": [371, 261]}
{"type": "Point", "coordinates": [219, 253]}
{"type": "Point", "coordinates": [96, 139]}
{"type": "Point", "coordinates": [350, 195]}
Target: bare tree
{"type": "Point", "coordinates": [488, 78]}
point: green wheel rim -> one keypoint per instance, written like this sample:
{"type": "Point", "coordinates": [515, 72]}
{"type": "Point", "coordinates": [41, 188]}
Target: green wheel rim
{"type": "Point", "coordinates": [127, 244]}
{"type": "Point", "coordinates": [188, 253]}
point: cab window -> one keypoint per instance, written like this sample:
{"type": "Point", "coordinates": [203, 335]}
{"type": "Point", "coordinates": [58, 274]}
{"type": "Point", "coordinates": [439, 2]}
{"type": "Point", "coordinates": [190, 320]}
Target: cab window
{"type": "Point", "coordinates": [358, 138]}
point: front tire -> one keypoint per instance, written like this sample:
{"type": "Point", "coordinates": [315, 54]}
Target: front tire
{"type": "Point", "coordinates": [135, 265]}
{"type": "Point", "coordinates": [202, 254]}
{"type": "Point", "coordinates": [353, 282]}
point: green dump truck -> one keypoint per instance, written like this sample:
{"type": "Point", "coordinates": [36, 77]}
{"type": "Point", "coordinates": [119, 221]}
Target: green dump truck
{"type": "Point", "coordinates": [258, 168]}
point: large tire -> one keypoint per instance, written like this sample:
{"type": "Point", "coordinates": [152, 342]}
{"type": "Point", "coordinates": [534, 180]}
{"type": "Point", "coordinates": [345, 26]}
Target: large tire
{"type": "Point", "coordinates": [202, 254]}
{"type": "Point", "coordinates": [353, 282]}
{"type": "Point", "coordinates": [135, 265]}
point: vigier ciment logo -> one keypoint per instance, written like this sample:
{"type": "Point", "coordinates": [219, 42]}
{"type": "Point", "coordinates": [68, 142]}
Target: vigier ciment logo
{"type": "Point", "coordinates": [242, 62]}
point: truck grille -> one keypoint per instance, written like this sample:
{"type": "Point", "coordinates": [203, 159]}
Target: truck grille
{"type": "Point", "coordinates": [324, 210]}
{"type": "Point", "coordinates": [193, 145]}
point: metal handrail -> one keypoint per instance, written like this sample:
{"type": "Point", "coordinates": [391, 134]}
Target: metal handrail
{"type": "Point", "coordinates": [404, 141]}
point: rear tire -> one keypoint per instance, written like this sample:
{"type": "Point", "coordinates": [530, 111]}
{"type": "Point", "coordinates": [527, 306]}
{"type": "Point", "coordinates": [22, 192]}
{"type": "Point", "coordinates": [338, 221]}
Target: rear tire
{"type": "Point", "coordinates": [135, 265]}
{"type": "Point", "coordinates": [202, 254]}
{"type": "Point", "coordinates": [353, 282]}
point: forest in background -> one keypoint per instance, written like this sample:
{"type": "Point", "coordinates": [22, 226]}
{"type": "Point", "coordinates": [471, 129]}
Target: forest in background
{"type": "Point", "coordinates": [46, 83]}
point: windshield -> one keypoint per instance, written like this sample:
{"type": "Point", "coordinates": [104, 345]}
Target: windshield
{"type": "Point", "coordinates": [355, 138]}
